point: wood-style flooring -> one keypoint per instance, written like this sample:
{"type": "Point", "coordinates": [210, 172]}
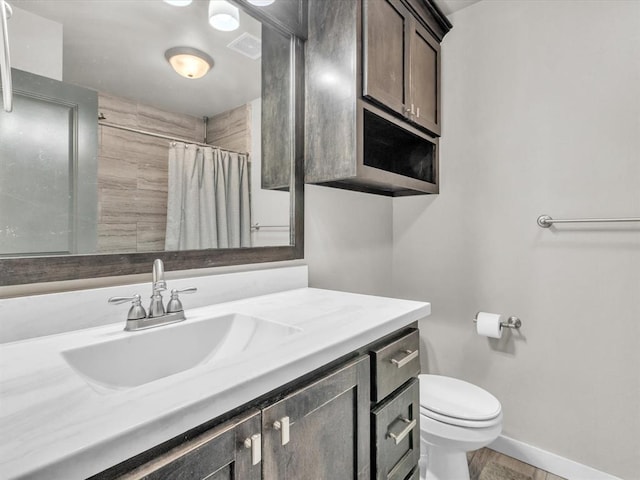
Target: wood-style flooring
{"type": "Point", "coordinates": [486, 464]}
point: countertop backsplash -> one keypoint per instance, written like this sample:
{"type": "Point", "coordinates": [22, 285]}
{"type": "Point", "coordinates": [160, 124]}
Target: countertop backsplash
{"type": "Point", "coordinates": [39, 315]}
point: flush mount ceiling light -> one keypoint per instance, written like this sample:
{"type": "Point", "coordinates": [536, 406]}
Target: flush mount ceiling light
{"type": "Point", "coordinates": [178, 3]}
{"type": "Point", "coordinates": [223, 16]}
{"type": "Point", "coordinates": [261, 3]}
{"type": "Point", "coordinates": [189, 62]}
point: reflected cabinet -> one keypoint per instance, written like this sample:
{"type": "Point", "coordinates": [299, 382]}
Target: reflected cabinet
{"type": "Point", "coordinates": [373, 95]}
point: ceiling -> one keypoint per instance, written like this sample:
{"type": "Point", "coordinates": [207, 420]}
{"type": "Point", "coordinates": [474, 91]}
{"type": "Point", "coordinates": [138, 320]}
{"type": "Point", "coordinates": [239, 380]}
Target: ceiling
{"type": "Point", "coordinates": [118, 46]}
{"type": "Point", "coordinates": [450, 6]}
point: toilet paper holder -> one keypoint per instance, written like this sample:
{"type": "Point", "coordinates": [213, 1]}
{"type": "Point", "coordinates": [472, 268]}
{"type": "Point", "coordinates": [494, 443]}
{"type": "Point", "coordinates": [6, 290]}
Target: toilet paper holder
{"type": "Point", "coordinates": [512, 322]}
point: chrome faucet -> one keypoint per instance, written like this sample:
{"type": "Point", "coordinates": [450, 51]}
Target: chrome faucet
{"type": "Point", "coordinates": [138, 319]}
{"type": "Point", "coordinates": [158, 285]}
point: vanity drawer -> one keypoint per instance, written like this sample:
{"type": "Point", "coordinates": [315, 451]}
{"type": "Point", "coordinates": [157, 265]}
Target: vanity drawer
{"type": "Point", "coordinates": [396, 424]}
{"type": "Point", "coordinates": [394, 364]}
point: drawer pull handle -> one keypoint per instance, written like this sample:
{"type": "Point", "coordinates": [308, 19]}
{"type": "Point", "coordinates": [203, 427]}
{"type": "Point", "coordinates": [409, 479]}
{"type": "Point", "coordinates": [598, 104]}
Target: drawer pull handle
{"type": "Point", "coordinates": [283, 426]}
{"type": "Point", "coordinates": [254, 442]}
{"type": "Point", "coordinates": [410, 355]}
{"type": "Point", "coordinates": [408, 427]}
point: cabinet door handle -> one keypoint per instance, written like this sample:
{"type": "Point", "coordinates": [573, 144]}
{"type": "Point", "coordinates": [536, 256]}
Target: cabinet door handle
{"type": "Point", "coordinates": [418, 112]}
{"type": "Point", "coordinates": [410, 355]}
{"type": "Point", "coordinates": [283, 426]}
{"type": "Point", "coordinates": [254, 442]}
{"type": "Point", "coordinates": [405, 425]}
{"type": "Point", "coordinates": [412, 109]}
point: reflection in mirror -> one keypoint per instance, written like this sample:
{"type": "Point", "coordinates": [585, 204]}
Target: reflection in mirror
{"type": "Point", "coordinates": [109, 150]}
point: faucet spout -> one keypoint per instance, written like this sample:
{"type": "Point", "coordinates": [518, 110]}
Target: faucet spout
{"type": "Point", "coordinates": [158, 285]}
{"type": "Point", "coordinates": [158, 281]}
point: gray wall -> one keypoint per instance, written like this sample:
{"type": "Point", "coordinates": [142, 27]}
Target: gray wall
{"type": "Point", "coordinates": [348, 240]}
{"type": "Point", "coordinates": [541, 108]}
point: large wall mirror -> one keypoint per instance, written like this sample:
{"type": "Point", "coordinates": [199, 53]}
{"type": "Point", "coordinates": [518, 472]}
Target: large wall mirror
{"type": "Point", "coordinates": [147, 129]}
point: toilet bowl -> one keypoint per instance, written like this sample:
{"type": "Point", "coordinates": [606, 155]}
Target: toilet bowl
{"type": "Point", "coordinates": [455, 417]}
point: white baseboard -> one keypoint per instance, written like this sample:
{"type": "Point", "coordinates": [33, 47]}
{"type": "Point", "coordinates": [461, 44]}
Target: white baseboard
{"type": "Point", "coordinates": [550, 462]}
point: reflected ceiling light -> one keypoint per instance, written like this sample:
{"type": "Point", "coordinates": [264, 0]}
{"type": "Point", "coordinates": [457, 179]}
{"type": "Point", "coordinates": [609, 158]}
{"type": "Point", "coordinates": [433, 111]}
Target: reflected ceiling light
{"type": "Point", "coordinates": [261, 3]}
{"type": "Point", "coordinates": [8, 10]}
{"type": "Point", "coordinates": [223, 16]}
{"type": "Point", "coordinates": [179, 3]}
{"type": "Point", "coordinates": [189, 62]}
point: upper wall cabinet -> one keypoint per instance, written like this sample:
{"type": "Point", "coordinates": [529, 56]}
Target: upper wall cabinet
{"type": "Point", "coordinates": [373, 95]}
{"type": "Point", "coordinates": [400, 63]}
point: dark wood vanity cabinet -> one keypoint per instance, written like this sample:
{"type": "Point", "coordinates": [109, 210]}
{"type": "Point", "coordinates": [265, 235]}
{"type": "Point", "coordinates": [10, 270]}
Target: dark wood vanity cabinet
{"type": "Point", "coordinates": [373, 95]}
{"type": "Point", "coordinates": [355, 419]}
{"type": "Point", "coordinates": [319, 431]}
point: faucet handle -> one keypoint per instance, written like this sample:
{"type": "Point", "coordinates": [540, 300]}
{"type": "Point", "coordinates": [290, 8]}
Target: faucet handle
{"type": "Point", "coordinates": [137, 311]}
{"type": "Point", "coordinates": [175, 305]}
{"type": "Point", "coordinates": [119, 300]}
{"type": "Point", "coordinates": [184, 290]}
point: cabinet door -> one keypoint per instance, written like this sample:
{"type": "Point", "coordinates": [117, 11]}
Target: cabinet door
{"type": "Point", "coordinates": [424, 75]}
{"type": "Point", "coordinates": [322, 430]}
{"type": "Point", "coordinates": [385, 62]}
{"type": "Point", "coordinates": [218, 454]}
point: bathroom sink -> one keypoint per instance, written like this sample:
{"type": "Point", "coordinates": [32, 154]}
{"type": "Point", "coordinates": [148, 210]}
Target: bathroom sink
{"type": "Point", "coordinates": [136, 358]}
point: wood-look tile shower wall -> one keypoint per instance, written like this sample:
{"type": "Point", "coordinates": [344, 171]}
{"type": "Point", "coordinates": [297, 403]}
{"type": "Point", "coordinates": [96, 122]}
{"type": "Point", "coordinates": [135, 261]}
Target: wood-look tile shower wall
{"type": "Point", "coordinates": [132, 172]}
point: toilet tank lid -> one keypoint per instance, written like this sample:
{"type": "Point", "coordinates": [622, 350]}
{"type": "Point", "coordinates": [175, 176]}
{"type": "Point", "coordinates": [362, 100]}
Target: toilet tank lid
{"type": "Point", "coordinates": [457, 398]}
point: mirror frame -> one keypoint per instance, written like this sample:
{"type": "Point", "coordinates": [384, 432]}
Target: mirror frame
{"type": "Point", "coordinates": [39, 269]}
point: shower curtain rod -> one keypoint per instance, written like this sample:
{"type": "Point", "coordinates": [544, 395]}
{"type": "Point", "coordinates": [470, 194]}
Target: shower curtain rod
{"type": "Point", "coordinates": [102, 122]}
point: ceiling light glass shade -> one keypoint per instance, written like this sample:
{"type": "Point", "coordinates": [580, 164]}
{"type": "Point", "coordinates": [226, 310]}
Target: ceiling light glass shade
{"type": "Point", "coordinates": [223, 16]}
{"type": "Point", "coordinates": [261, 3]}
{"type": "Point", "coordinates": [8, 10]}
{"type": "Point", "coordinates": [179, 3]}
{"type": "Point", "coordinates": [189, 62]}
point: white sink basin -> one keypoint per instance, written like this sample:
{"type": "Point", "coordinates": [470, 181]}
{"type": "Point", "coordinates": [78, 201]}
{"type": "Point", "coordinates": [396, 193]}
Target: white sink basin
{"type": "Point", "coordinates": [136, 358]}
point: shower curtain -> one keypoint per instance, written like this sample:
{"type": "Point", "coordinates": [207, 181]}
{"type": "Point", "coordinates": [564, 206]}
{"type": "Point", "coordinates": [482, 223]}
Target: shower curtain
{"type": "Point", "coordinates": [208, 199]}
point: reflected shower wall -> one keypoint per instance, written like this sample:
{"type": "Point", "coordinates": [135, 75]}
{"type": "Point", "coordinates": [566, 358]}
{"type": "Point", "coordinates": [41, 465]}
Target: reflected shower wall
{"type": "Point", "coordinates": [133, 173]}
{"type": "Point", "coordinates": [133, 168]}
{"type": "Point", "coordinates": [48, 169]}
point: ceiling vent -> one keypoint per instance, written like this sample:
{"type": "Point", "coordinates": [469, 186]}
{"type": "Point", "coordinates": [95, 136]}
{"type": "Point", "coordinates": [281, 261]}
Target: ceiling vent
{"type": "Point", "coordinates": [247, 45]}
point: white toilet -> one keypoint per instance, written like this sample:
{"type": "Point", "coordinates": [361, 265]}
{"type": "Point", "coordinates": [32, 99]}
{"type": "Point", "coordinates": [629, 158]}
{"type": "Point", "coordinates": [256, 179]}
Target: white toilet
{"type": "Point", "coordinates": [455, 417]}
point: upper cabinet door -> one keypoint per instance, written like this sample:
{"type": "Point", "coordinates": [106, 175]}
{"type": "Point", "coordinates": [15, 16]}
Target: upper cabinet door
{"type": "Point", "coordinates": [424, 74]}
{"type": "Point", "coordinates": [385, 61]}
{"type": "Point", "coordinates": [400, 63]}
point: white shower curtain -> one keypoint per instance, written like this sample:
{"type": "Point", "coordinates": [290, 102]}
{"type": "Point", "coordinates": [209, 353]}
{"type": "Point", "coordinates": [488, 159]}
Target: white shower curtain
{"type": "Point", "coordinates": [208, 200]}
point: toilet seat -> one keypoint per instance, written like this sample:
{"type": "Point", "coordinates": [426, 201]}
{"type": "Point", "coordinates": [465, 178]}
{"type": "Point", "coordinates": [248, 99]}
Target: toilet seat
{"type": "Point", "coordinates": [457, 402]}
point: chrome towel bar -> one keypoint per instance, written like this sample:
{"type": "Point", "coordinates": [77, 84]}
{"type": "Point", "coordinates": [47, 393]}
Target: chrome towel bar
{"type": "Point", "coordinates": [258, 226]}
{"type": "Point", "coordinates": [545, 221]}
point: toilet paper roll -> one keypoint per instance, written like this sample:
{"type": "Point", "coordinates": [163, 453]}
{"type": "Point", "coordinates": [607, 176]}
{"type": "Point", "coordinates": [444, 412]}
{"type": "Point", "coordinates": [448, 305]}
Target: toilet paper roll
{"type": "Point", "coordinates": [489, 324]}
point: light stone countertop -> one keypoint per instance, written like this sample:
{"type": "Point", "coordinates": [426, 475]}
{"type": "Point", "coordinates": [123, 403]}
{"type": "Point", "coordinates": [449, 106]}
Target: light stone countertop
{"type": "Point", "coordinates": [54, 424]}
